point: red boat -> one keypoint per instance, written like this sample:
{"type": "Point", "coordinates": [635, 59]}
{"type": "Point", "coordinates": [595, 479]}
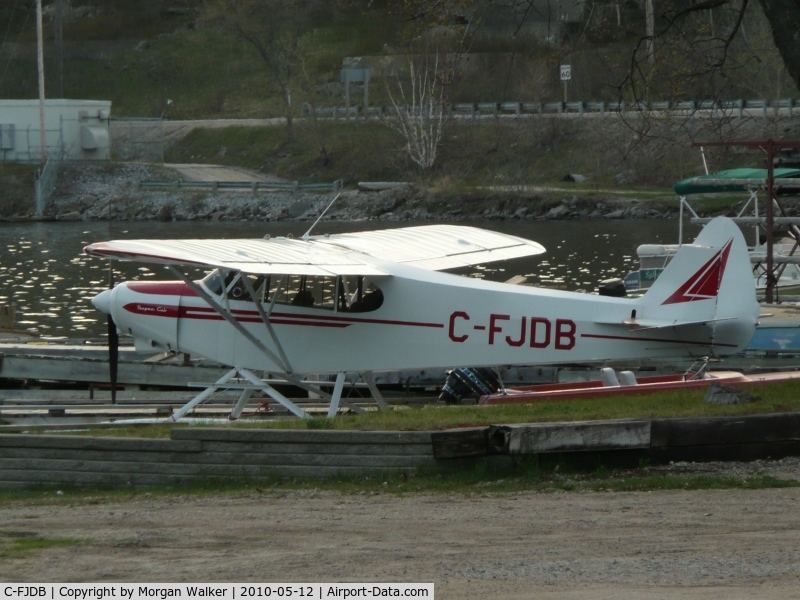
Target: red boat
{"type": "Point", "coordinates": [626, 384]}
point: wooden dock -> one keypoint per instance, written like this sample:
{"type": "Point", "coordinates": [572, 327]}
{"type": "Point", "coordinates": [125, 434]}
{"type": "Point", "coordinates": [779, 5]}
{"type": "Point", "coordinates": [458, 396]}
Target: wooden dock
{"type": "Point", "coordinates": [659, 440]}
{"type": "Point", "coordinates": [246, 454]}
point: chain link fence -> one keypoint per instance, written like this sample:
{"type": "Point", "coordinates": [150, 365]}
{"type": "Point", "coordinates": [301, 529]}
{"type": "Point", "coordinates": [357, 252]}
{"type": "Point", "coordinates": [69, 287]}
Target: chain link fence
{"type": "Point", "coordinates": [45, 182]}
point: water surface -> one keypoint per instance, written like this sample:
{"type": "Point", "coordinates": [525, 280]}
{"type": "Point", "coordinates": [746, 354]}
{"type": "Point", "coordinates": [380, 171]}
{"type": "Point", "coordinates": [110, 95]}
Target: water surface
{"type": "Point", "coordinates": [44, 273]}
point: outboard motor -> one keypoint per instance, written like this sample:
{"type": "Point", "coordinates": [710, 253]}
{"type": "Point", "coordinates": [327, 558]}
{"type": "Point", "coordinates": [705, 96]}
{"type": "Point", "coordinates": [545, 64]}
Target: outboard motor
{"type": "Point", "coordinates": [612, 287]}
{"type": "Point", "coordinates": [467, 382]}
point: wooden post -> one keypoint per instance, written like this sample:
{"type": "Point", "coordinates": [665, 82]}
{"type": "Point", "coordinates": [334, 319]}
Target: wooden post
{"type": "Point", "coordinates": [347, 93]}
{"type": "Point", "coordinates": [40, 56]}
{"type": "Point", "coordinates": [59, 62]}
{"type": "Point", "coordinates": [366, 90]}
{"type": "Point", "coordinates": [771, 280]}
{"type": "Point", "coordinates": [7, 316]}
{"type": "Point", "coordinates": [770, 146]}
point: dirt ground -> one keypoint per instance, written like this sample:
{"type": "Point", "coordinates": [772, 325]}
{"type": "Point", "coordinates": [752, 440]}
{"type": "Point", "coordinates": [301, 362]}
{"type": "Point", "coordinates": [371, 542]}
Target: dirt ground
{"type": "Point", "coordinates": [705, 544]}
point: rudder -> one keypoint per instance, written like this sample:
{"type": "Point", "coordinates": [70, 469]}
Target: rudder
{"type": "Point", "coordinates": [710, 280]}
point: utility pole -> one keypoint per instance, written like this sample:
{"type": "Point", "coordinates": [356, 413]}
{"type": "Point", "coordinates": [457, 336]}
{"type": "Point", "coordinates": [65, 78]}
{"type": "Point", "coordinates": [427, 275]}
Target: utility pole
{"type": "Point", "coordinates": [650, 33]}
{"type": "Point", "coordinates": [40, 56]}
{"type": "Point", "coordinates": [59, 43]}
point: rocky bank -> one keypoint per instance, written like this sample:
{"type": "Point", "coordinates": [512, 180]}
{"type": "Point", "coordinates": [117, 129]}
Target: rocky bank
{"type": "Point", "coordinates": [112, 192]}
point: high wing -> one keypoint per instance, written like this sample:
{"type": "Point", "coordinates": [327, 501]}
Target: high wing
{"type": "Point", "coordinates": [436, 247]}
{"type": "Point", "coordinates": [261, 257]}
{"type": "Point", "coordinates": [433, 247]}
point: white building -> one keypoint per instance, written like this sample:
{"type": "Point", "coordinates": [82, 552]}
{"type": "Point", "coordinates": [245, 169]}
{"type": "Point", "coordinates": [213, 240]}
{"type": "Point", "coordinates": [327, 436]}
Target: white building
{"type": "Point", "coordinates": [74, 130]}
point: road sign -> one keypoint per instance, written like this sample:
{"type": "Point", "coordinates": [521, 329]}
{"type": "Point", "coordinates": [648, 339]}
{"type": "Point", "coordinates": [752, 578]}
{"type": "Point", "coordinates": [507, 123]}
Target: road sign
{"type": "Point", "coordinates": [566, 73]}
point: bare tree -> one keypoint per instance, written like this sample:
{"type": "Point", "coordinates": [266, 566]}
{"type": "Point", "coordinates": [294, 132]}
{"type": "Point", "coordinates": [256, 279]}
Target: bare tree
{"type": "Point", "coordinates": [692, 47]}
{"type": "Point", "coordinates": [703, 48]}
{"type": "Point", "coordinates": [419, 110]}
{"type": "Point", "coordinates": [440, 32]}
{"type": "Point", "coordinates": [784, 18]}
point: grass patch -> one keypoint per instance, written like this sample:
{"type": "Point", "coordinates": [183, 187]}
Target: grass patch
{"type": "Point", "coordinates": [359, 151]}
{"type": "Point", "coordinates": [472, 155]}
{"type": "Point", "coordinates": [543, 473]}
{"type": "Point", "coordinates": [474, 159]}
{"type": "Point", "coordinates": [716, 202]}
{"type": "Point", "coordinates": [777, 397]}
{"type": "Point", "coordinates": [20, 547]}
{"type": "Point", "coordinates": [597, 472]}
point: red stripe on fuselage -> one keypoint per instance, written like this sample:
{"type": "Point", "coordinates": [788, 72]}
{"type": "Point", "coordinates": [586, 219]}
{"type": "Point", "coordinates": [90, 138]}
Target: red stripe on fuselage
{"type": "Point", "coordinates": [161, 288]}
{"type": "Point", "coordinates": [659, 340]}
{"type": "Point", "coordinates": [207, 313]}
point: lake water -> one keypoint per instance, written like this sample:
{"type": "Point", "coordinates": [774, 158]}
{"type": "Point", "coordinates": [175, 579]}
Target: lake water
{"type": "Point", "coordinates": [44, 273]}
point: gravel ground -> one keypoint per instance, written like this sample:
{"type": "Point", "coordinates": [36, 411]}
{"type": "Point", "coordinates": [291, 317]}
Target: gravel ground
{"type": "Point", "coordinates": [553, 544]}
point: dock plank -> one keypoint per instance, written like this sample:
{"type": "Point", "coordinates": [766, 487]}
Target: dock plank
{"type": "Point", "coordinates": [60, 369]}
{"type": "Point", "coordinates": [304, 436]}
{"type": "Point", "coordinates": [726, 430]}
{"type": "Point", "coordinates": [460, 443]}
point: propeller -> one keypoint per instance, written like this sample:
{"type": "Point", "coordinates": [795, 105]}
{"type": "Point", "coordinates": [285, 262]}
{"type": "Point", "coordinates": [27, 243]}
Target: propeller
{"type": "Point", "coordinates": [113, 344]}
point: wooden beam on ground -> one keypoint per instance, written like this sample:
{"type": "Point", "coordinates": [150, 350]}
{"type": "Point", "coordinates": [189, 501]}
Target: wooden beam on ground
{"type": "Point", "coordinates": [460, 443]}
{"type": "Point", "coordinates": [713, 431]}
{"type": "Point", "coordinates": [569, 437]}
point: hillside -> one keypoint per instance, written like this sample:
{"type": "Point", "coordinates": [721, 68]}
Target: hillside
{"type": "Point", "coordinates": [175, 59]}
{"type": "Point", "coordinates": [171, 60]}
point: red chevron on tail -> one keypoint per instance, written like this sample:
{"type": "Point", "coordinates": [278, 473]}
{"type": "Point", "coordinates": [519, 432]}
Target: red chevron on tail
{"type": "Point", "coordinates": [704, 284]}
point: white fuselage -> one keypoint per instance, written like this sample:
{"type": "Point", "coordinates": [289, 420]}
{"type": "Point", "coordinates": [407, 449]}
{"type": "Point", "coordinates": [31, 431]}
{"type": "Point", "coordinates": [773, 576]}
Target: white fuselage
{"type": "Point", "coordinates": [428, 319]}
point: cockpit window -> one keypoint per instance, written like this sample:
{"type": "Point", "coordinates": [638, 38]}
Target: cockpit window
{"type": "Point", "coordinates": [234, 285]}
{"type": "Point", "coordinates": [213, 282]}
{"type": "Point", "coordinates": [342, 294]}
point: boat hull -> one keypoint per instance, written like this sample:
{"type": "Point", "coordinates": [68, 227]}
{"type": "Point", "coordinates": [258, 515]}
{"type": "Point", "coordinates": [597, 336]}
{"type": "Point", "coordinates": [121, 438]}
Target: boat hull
{"type": "Point", "coordinates": [644, 386]}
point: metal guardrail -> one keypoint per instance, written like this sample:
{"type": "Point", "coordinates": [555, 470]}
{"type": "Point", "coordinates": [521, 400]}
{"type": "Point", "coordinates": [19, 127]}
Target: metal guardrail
{"type": "Point", "coordinates": [253, 186]}
{"type": "Point", "coordinates": [760, 108]}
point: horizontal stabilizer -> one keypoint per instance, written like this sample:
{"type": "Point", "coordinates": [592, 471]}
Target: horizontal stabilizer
{"type": "Point", "coordinates": [652, 324]}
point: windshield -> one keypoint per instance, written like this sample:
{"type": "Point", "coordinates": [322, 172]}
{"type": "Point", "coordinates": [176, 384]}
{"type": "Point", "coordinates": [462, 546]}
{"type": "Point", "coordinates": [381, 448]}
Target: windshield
{"type": "Point", "coordinates": [349, 293]}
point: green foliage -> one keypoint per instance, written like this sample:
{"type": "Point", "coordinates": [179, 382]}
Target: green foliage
{"type": "Point", "coordinates": [362, 151]}
{"type": "Point", "coordinates": [360, 33]}
{"type": "Point", "coordinates": [117, 26]}
{"type": "Point", "coordinates": [193, 62]}
{"type": "Point", "coordinates": [16, 183]}
{"type": "Point", "coordinates": [472, 153]}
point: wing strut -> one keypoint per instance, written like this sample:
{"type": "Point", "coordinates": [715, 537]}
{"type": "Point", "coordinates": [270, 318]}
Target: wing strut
{"type": "Point", "coordinates": [265, 316]}
{"type": "Point", "coordinates": [282, 362]}
{"type": "Point", "coordinates": [226, 314]}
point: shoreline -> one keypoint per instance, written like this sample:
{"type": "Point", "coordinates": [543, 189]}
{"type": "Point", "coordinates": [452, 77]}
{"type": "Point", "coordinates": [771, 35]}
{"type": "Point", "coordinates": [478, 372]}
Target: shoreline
{"type": "Point", "coordinates": [112, 193]}
{"type": "Point", "coordinates": [351, 206]}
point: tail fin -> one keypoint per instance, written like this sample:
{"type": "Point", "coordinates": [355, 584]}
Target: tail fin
{"type": "Point", "coordinates": [709, 283]}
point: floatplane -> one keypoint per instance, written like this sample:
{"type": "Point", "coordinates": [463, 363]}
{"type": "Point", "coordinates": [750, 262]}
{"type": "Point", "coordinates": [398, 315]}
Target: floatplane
{"type": "Point", "coordinates": [357, 303]}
